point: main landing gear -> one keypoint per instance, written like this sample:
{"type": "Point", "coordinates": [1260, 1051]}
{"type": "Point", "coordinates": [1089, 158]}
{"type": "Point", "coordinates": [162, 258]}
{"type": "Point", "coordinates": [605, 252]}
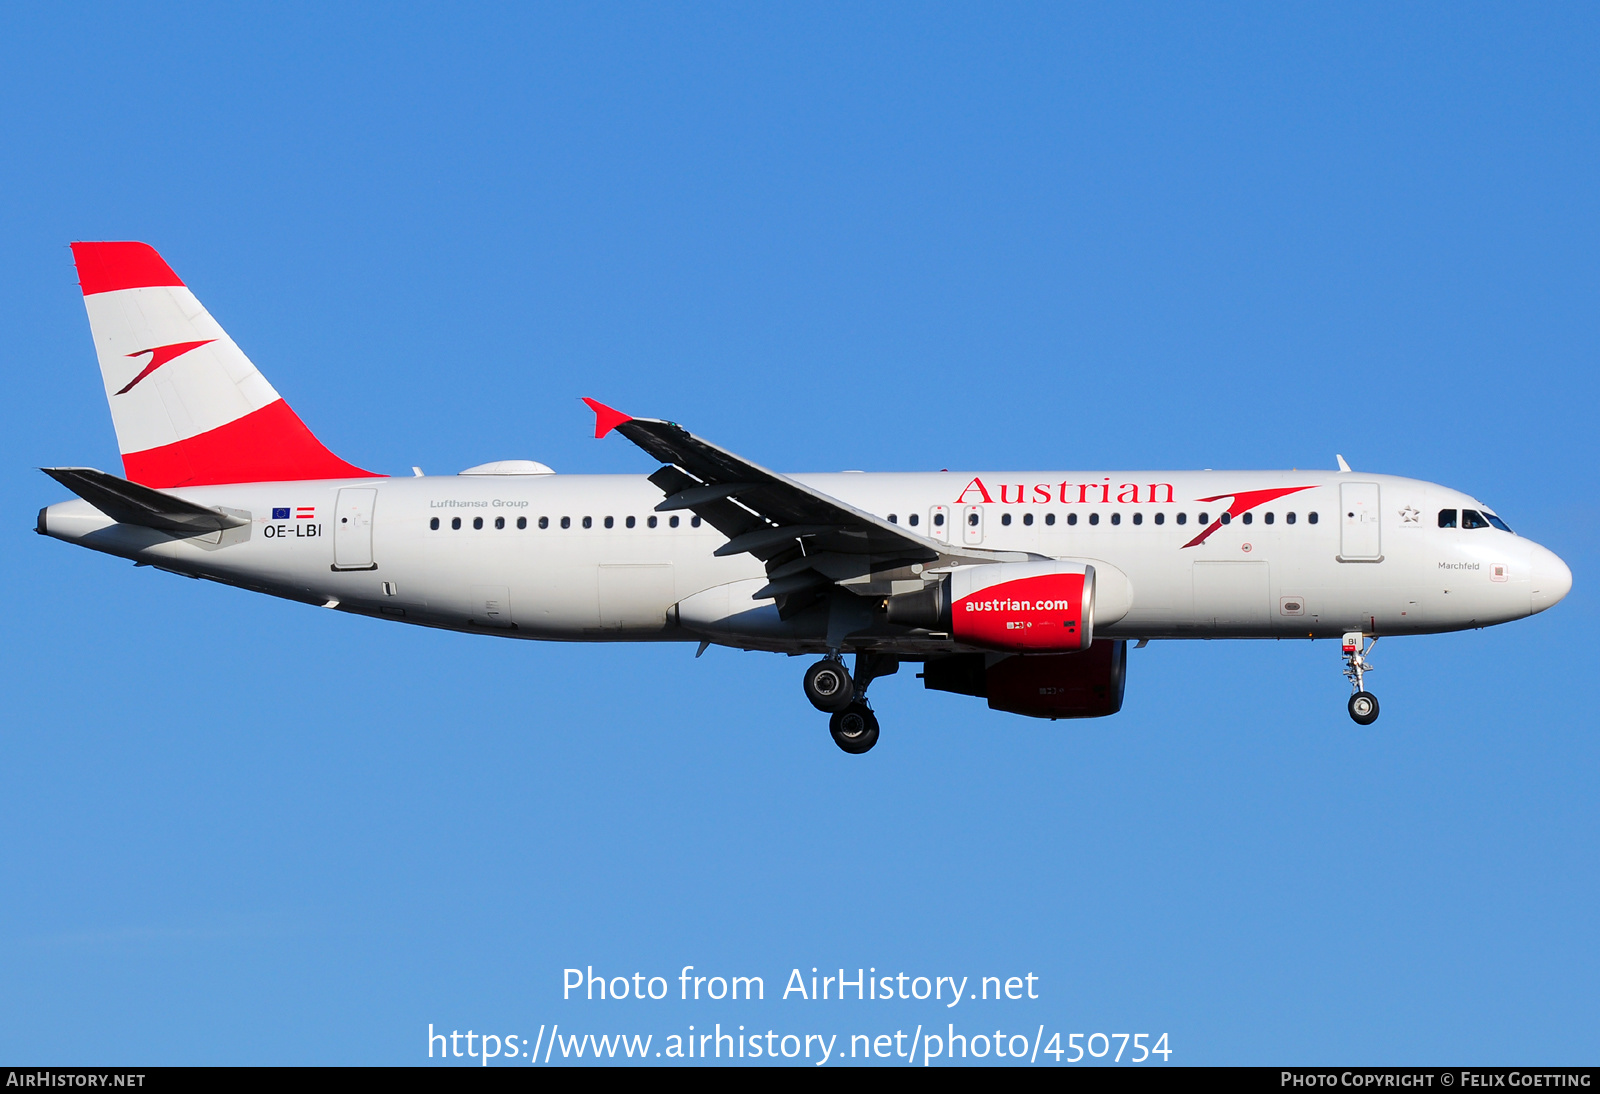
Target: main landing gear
{"type": "Point", "coordinates": [834, 691]}
{"type": "Point", "coordinates": [1363, 704]}
{"type": "Point", "coordinates": [855, 728]}
{"type": "Point", "coordinates": [828, 686]}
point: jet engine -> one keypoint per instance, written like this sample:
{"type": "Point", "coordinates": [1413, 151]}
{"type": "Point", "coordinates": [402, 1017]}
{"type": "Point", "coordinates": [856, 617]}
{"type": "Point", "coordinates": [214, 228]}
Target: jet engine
{"type": "Point", "coordinates": [1038, 607]}
{"type": "Point", "coordinates": [1087, 684]}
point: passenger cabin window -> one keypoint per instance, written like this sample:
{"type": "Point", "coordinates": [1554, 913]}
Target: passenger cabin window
{"type": "Point", "coordinates": [611, 522]}
{"type": "Point", "coordinates": [1138, 518]}
{"type": "Point", "coordinates": [1288, 518]}
{"type": "Point", "coordinates": [588, 522]}
{"type": "Point", "coordinates": [1049, 518]}
{"type": "Point", "coordinates": [1471, 518]}
{"type": "Point", "coordinates": [1266, 518]}
{"type": "Point", "coordinates": [893, 519]}
{"type": "Point", "coordinates": [477, 522]}
{"type": "Point", "coordinates": [972, 519]}
{"type": "Point", "coordinates": [1183, 518]}
{"type": "Point", "coordinates": [694, 522]}
{"type": "Point", "coordinates": [1072, 518]}
{"type": "Point", "coordinates": [651, 521]}
{"type": "Point", "coordinates": [455, 524]}
{"type": "Point", "coordinates": [1311, 518]}
{"type": "Point", "coordinates": [912, 520]}
{"type": "Point", "coordinates": [1116, 518]}
{"type": "Point", "coordinates": [544, 522]}
{"type": "Point", "coordinates": [499, 522]}
{"type": "Point", "coordinates": [1027, 519]}
{"type": "Point", "coordinates": [1447, 518]}
{"type": "Point", "coordinates": [1201, 518]}
{"type": "Point", "coordinates": [672, 522]}
{"type": "Point", "coordinates": [629, 522]}
{"type": "Point", "coordinates": [1246, 518]}
{"type": "Point", "coordinates": [434, 524]}
{"type": "Point", "coordinates": [1161, 518]}
{"type": "Point", "coordinates": [1005, 518]}
{"type": "Point", "coordinates": [938, 520]}
{"type": "Point", "coordinates": [522, 522]}
{"type": "Point", "coordinates": [566, 522]}
{"type": "Point", "coordinates": [1094, 518]}
{"type": "Point", "coordinates": [1226, 518]}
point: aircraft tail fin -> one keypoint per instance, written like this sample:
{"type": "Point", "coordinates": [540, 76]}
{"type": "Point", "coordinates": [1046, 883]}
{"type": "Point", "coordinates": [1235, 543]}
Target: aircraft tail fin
{"type": "Point", "coordinates": [190, 409]}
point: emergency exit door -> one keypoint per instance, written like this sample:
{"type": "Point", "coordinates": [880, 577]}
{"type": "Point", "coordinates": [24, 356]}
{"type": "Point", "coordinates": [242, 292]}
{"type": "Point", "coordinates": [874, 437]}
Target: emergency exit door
{"type": "Point", "coordinates": [972, 525]}
{"type": "Point", "coordinates": [1360, 538]}
{"type": "Point", "coordinates": [352, 529]}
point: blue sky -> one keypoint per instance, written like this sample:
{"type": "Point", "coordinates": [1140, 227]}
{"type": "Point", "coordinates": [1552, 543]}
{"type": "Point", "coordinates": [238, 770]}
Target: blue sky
{"type": "Point", "coordinates": [901, 237]}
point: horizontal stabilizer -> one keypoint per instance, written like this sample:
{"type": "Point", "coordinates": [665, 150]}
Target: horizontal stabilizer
{"type": "Point", "coordinates": [129, 503]}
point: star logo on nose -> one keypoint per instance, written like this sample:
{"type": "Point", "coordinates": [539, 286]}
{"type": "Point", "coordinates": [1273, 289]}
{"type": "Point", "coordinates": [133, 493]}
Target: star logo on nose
{"type": "Point", "coordinates": [1409, 515]}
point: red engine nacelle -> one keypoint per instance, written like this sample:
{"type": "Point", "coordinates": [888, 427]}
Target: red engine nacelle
{"type": "Point", "coordinates": [1088, 684]}
{"type": "Point", "coordinates": [1043, 607]}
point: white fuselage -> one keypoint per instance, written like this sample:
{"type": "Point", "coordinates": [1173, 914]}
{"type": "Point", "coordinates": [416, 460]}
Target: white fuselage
{"type": "Point", "coordinates": [586, 564]}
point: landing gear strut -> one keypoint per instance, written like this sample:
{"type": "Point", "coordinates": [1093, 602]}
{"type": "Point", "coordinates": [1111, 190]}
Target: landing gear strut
{"type": "Point", "coordinates": [832, 690]}
{"type": "Point", "coordinates": [1363, 704]}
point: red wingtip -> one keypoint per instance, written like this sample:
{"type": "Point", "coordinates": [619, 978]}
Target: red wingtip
{"type": "Point", "coordinates": [606, 419]}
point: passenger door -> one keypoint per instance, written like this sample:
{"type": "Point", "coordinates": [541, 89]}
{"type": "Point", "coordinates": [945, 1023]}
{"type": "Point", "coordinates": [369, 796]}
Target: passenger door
{"type": "Point", "coordinates": [352, 529]}
{"type": "Point", "coordinates": [1360, 538]}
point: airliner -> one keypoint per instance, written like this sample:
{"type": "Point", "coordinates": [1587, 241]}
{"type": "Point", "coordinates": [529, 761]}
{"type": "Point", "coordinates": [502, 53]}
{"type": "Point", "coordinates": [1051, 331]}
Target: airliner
{"type": "Point", "coordinates": [1023, 588]}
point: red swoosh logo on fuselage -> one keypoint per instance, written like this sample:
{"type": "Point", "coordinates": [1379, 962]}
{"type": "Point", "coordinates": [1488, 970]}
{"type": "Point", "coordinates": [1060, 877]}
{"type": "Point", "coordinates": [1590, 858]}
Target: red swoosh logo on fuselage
{"type": "Point", "coordinates": [160, 355]}
{"type": "Point", "coordinates": [1242, 502]}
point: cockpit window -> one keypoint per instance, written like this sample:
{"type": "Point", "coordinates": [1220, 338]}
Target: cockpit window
{"type": "Point", "coordinates": [1447, 518]}
{"type": "Point", "coordinates": [1471, 518]}
{"type": "Point", "coordinates": [1496, 521]}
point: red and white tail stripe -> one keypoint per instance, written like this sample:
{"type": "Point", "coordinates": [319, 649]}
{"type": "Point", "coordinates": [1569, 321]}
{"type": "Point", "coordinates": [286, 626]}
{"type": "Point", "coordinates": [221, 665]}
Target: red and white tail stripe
{"type": "Point", "coordinates": [189, 407]}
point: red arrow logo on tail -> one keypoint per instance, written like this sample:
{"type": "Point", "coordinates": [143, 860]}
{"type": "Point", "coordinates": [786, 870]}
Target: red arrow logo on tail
{"type": "Point", "coordinates": [160, 355]}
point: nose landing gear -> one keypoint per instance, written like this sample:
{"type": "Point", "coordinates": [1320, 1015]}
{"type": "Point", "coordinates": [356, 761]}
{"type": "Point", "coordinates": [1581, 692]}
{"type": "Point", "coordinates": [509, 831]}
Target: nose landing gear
{"type": "Point", "coordinates": [1363, 704]}
{"type": "Point", "coordinates": [834, 691]}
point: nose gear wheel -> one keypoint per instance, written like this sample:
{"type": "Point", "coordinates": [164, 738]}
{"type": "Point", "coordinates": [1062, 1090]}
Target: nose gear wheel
{"type": "Point", "coordinates": [1364, 708]}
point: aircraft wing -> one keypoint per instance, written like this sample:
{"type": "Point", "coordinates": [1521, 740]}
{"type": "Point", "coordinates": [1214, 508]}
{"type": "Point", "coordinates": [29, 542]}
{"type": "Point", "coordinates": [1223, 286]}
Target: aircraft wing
{"type": "Point", "coordinates": [807, 539]}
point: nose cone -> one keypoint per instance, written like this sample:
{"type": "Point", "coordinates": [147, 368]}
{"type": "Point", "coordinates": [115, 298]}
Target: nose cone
{"type": "Point", "coordinates": [1551, 580]}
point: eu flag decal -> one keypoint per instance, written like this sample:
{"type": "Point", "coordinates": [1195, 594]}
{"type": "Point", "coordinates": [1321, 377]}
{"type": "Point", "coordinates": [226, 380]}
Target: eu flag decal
{"type": "Point", "coordinates": [280, 514]}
